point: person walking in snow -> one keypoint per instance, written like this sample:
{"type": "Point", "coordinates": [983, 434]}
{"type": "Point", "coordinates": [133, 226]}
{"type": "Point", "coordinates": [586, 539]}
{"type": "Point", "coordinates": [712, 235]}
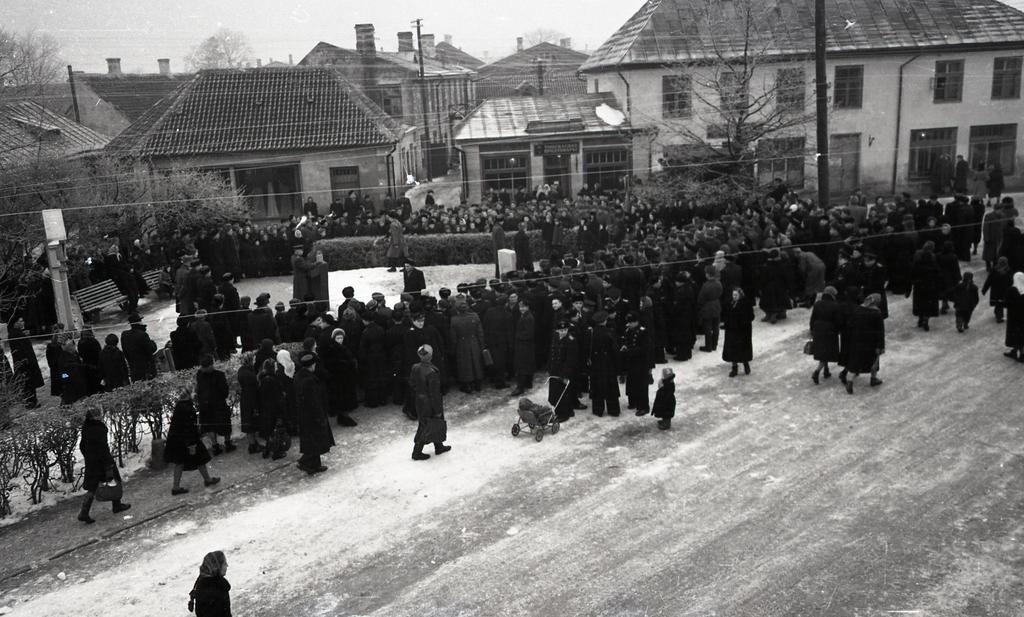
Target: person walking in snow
{"type": "Point", "coordinates": [664, 408]}
{"type": "Point", "coordinates": [867, 343]}
{"type": "Point", "coordinates": [185, 449]}
{"type": "Point", "coordinates": [211, 593]}
{"type": "Point", "coordinates": [315, 435]}
{"type": "Point", "coordinates": [99, 465]}
{"type": "Point", "coordinates": [425, 381]}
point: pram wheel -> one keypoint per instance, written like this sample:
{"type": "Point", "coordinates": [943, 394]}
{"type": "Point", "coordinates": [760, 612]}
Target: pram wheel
{"type": "Point", "coordinates": [539, 435]}
{"type": "Point", "coordinates": [555, 426]}
{"type": "Point", "coordinates": [515, 430]}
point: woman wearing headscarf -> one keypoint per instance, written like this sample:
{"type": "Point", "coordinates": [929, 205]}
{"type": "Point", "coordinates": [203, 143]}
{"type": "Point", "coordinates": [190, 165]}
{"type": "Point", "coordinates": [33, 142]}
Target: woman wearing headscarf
{"type": "Point", "coordinates": [272, 405]}
{"type": "Point", "coordinates": [25, 366]}
{"type": "Point", "coordinates": [425, 381]}
{"type": "Point", "coordinates": [99, 465]}
{"type": "Point", "coordinates": [211, 593]}
{"type": "Point", "coordinates": [738, 346]}
{"type": "Point", "coordinates": [1015, 318]}
{"type": "Point", "coordinates": [926, 285]}
{"type": "Point", "coordinates": [212, 396]}
{"type": "Point", "coordinates": [338, 371]}
{"type": "Point", "coordinates": [249, 399]}
{"type": "Point", "coordinates": [315, 435]}
{"type": "Point", "coordinates": [826, 324]}
{"type": "Point", "coordinates": [286, 376]}
{"type": "Point", "coordinates": [998, 281]}
{"type": "Point", "coordinates": [867, 342]}
{"type": "Point", "coordinates": [185, 449]}
{"type": "Point", "coordinates": [74, 381]}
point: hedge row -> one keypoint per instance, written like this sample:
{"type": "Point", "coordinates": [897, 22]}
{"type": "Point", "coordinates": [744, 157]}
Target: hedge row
{"type": "Point", "coordinates": [426, 250]}
{"type": "Point", "coordinates": [39, 447]}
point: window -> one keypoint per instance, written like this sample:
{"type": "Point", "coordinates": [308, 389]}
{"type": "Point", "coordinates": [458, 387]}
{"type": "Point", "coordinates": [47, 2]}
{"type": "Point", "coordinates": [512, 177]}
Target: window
{"type": "Point", "coordinates": [676, 96]}
{"type": "Point", "coordinates": [790, 90]}
{"type": "Point", "coordinates": [994, 143]}
{"type": "Point", "coordinates": [391, 101]}
{"type": "Point", "coordinates": [781, 158]}
{"type": "Point", "coordinates": [732, 92]}
{"type": "Point", "coordinates": [848, 87]}
{"type": "Point", "coordinates": [926, 146]}
{"type": "Point", "coordinates": [606, 168]}
{"type": "Point", "coordinates": [949, 81]}
{"type": "Point", "coordinates": [343, 180]}
{"type": "Point", "coordinates": [596, 87]}
{"type": "Point", "coordinates": [1006, 78]}
{"type": "Point", "coordinates": [509, 170]}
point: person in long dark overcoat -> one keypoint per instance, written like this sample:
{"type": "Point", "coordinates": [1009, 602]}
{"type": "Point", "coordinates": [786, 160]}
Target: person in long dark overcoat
{"type": "Point", "coordinates": [498, 240]}
{"type": "Point", "coordinates": [773, 287]}
{"type": "Point", "coordinates": [425, 384]}
{"type": "Point", "coordinates": [185, 448]}
{"type": "Point", "coordinates": [211, 593]}
{"type": "Point", "coordinates": [374, 367]}
{"type": "Point", "coordinates": [949, 266]}
{"type": "Point", "coordinates": [286, 376]}
{"type": "Point", "coordinates": [563, 364]}
{"type": "Point", "coordinates": [709, 309]}
{"type": "Point", "coordinates": [826, 324]}
{"type": "Point", "coordinates": [867, 343]}
{"type": "Point", "coordinates": [89, 352]}
{"type": "Point", "coordinates": [926, 285]}
{"type": "Point", "coordinates": [186, 349]}
{"type": "Point", "coordinates": [467, 347]}
{"type": "Point", "coordinates": [113, 365]}
{"type": "Point", "coordinates": [23, 362]}
{"type": "Point", "coordinates": [998, 282]}
{"type": "Point", "coordinates": [524, 254]}
{"type": "Point", "coordinates": [338, 366]}
{"type": "Point", "coordinates": [499, 336]}
{"type": "Point", "coordinates": [212, 398]}
{"type": "Point", "coordinates": [682, 318]}
{"type": "Point", "coordinates": [261, 323]}
{"type": "Point", "coordinates": [635, 359]}
{"type": "Point", "coordinates": [739, 345]}
{"type": "Point", "coordinates": [1015, 318]}
{"type": "Point", "coordinates": [73, 376]}
{"type": "Point", "coordinates": [138, 349]}
{"type": "Point", "coordinates": [272, 406]}
{"type": "Point", "coordinates": [249, 407]}
{"type": "Point", "coordinates": [397, 249]}
{"type": "Point", "coordinates": [300, 273]}
{"type": "Point", "coordinates": [603, 360]}
{"type": "Point", "coordinates": [53, 350]}
{"type": "Point", "coordinates": [99, 465]}
{"type": "Point", "coordinates": [315, 436]}
{"type": "Point", "coordinates": [664, 408]}
{"type": "Point", "coordinates": [524, 355]}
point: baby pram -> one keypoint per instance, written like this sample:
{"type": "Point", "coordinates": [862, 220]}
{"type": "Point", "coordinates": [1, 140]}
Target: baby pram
{"type": "Point", "coordinates": [538, 418]}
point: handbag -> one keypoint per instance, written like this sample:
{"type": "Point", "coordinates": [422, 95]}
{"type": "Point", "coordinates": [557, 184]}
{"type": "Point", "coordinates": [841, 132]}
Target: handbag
{"type": "Point", "coordinates": [109, 491]}
{"type": "Point", "coordinates": [809, 348]}
{"type": "Point", "coordinates": [488, 360]}
{"type": "Point", "coordinates": [282, 441]}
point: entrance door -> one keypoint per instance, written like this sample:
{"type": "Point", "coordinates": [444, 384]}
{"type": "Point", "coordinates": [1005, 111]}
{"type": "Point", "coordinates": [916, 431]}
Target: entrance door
{"type": "Point", "coordinates": [844, 164]}
{"type": "Point", "coordinates": [558, 168]}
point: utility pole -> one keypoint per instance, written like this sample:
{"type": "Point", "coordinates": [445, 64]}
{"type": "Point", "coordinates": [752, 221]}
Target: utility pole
{"type": "Point", "coordinates": [74, 95]}
{"type": "Point", "coordinates": [423, 98]}
{"type": "Point", "coordinates": [540, 76]}
{"type": "Point", "coordinates": [821, 103]}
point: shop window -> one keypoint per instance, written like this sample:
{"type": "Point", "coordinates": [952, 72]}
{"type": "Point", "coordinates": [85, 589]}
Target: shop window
{"type": "Point", "coordinates": [926, 146]}
{"type": "Point", "coordinates": [994, 143]}
{"type": "Point", "coordinates": [272, 192]}
{"type": "Point", "coordinates": [509, 170]}
{"type": "Point", "coordinates": [606, 168]}
{"type": "Point", "coordinates": [343, 180]}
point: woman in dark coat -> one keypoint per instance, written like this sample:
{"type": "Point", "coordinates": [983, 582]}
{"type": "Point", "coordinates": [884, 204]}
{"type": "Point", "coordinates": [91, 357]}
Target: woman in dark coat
{"type": "Point", "coordinates": [272, 405]}
{"type": "Point", "coordinates": [425, 381]}
{"type": "Point", "coordinates": [499, 332]}
{"type": "Point", "coordinates": [99, 465]}
{"type": "Point", "coordinates": [949, 266]}
{"type": "Point", "coordinates": [524, 256]}
{"type": "Point", "coordinates": [826, 324]}
{"type": "Point", "coordinates": [113, 365]}
{"type": "Point", "coordinates": [74, 381]}
{"type": "Point", "coordinates": [867, 342]}
{"type": "Point", "coordinates": [524, 355]}
{"type": "Point", "coordinates": [89, 351]}
{"type": "Point", "coordinates": [773, 288]}
{"type": "Point", "coordinates": [374, 367]}
{"type": "Point", "coordinates": [185, 449]}
{"type": "Point", "coordinates": [212, 397]}
{"type": "Point", "coordinates": [24, 363]}
{"type": "Point", "coordinates": [286, 377]}
{"type": "Point", "coordinates": [249, 400]}
{"type": "Point", "coordinates": [467, 345]}
{"type": "Point", "coordinates": [682, 318]}
{"type": "Point", "coordinates": [53, 351]}
{"type": "Point", "coordinates": [315, 436]}
{"type": "Point", "coordinates": [998, 282]}
{"type": "Point", "coordinates": [185, 346]}
{"type": "Point", "coordinates": [211, 593]}
{"type": "Point", "coordinates": [664, 408]}
{"type": "Point", "coordinates": [1015, 318]}
{"type": "Point", "coordinates": [339, 375]}
{"type": "Point", "coordinates": [738, 321]}
{"type": "Point", "coordinates": [926, 285]}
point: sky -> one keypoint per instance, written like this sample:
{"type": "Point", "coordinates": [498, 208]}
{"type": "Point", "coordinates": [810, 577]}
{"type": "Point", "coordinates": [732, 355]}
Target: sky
{"type": "Point", "coordinates": [140, 31]}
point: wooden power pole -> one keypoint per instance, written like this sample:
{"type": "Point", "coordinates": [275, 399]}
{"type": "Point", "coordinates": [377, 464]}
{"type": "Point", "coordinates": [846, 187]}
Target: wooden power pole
{"type": "Point", "coordinates": [821, 103]}
{"type": "Point", "coordinates": [423, 99]}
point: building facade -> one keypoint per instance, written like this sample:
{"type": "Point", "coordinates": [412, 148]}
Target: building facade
{"type": "Point", "coordinates": [942, 80]}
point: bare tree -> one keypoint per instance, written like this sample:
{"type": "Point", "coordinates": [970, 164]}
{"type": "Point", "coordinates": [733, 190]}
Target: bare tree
{"type": "Point", "coordinates": [742, 111]}
{"type": "Point", "coordinates": [28, 62]}
{"type": "Point", "coordinates": [542, 35]}
{"type": "Point", "coordinates": [225, 49]}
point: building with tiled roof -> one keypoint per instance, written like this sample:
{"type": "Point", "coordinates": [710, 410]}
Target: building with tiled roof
{"type": "Point", "coordinates": [29, 132]}
{"type": "Point", "coordinates": [569, 141]}
{"type": "Point", "coordinates": [545, 68]}
{"type": "Point", "coordinates": [392, 81]}
{"type": "Point", "coordinates": [911, 82]}
{"type": "Point", "coordinates": [278, 134]}
{"type": "Point", "coordinates": [450, 54]}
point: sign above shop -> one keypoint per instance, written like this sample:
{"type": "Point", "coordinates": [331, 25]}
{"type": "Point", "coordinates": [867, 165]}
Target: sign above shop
{"type": "Point", "coordinates": [558, 147]}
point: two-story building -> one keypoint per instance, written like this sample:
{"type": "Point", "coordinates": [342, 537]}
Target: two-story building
{"type": "Point", "coordinates": [277, 135]}
{"type": "Point", "coordinates": [909, 81]}
{"type": "Point", "coordinates": [392, 80]}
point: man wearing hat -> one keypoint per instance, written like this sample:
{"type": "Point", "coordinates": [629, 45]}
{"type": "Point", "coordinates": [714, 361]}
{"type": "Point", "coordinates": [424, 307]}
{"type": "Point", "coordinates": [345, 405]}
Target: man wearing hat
{"type": "Point", "coordinates": [315, 436]}
{"type": "Point", "coordinates": [300, 272]}
{"type": "Point", "coordinates": [232, 303]}
{"type": "Point", "coordinates": [413, 280]}
{"type": "Point", "coordinates": [604, 384]}
{"type": "Point", "coordinates": [562, 365]}
{"type": "Point", "coordinates": [138, 349]}
{"type": "Point", "coordinates": [425, 384]}
{"type": "Point", "coordinates": [636, 359]}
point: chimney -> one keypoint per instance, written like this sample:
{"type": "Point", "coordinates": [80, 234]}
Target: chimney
{"type": "Point", "coordinates": [519, 43]}
{"type": "Point", "coordinates": [289, 59]}
{"type": "Point", "coordinates": [364, 40]}
{"type": "Point", "coordinates": [113, 66]}
{"type": "Point", "coordinates": [427, 45]}
{"type": "Point", "coordinates": [259, 62]}
{"type": "Point", "coordinates": [566, 43]}
{"type": "Point", "coordinates": [448, 39]}
{"type": "Point", "coordinates": [165, 65]}
{"type": "Point", "coordinates": [405, 42]}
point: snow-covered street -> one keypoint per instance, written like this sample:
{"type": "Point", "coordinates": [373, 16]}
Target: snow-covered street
{"type": "Point", "coordinates": [770, 496]}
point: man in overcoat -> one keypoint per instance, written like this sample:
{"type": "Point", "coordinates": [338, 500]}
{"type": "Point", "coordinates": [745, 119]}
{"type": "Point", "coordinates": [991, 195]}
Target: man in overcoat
{"type": "Point", "coordinates": [467, 336]}
{"type": "Point", "coordinates": [138, 349]}
{"type": "Point", "coordinates": [425, 384]}
{"type": "Point", "coordinates": [602, 357]}
{"type": "Point", "coordinates": [315, 435]}
{"type": "Point", "coordinates": [524, 354]}
{"type": "Point", "coordinates": [24, 362]}
{"type": "Point", "coordinates": [562, 365]}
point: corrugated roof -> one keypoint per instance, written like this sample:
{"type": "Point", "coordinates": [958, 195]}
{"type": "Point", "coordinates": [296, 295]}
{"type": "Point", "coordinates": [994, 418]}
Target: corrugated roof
{"type": "Point", "coordinates": [254, 110]}
{"type": "Point", "coordinates": [509, 118]}
{"type": "Point", "coordinates": [679, 31]}
{"type": "Point", "coordinates": [446, 54]}
{"type": "Point", "coordinates": [505, 77]}
{"type": "Point", "coordinates": [29, 131]}
{"type": "Point", "coordinates": [132, 94]}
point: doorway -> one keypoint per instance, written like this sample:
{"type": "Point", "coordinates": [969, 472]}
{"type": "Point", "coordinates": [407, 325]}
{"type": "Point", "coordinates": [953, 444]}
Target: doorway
{"type": "Point", "coordinates": [844, 164]}
{"type": "Point", "coordinates": [558, 168]}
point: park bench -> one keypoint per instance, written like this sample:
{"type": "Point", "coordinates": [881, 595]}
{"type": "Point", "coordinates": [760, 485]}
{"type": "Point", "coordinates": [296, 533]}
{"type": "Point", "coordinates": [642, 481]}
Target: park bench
{"type": "Point", "coordinates": [98, 296]}
{"type": "Point", "coordinates": [152, 279]}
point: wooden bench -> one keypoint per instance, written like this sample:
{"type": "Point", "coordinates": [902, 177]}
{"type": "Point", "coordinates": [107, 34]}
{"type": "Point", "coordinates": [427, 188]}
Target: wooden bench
{"type": "Point", "coordinates": [152, 279]}
{"type": "Point", "coordinates": [100, 295]}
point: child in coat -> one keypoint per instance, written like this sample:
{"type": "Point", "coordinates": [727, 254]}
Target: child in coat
{"type": "Point", "coordinates": [664, 408]}
{"type": "Point", "coordinates": [965, 299]}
